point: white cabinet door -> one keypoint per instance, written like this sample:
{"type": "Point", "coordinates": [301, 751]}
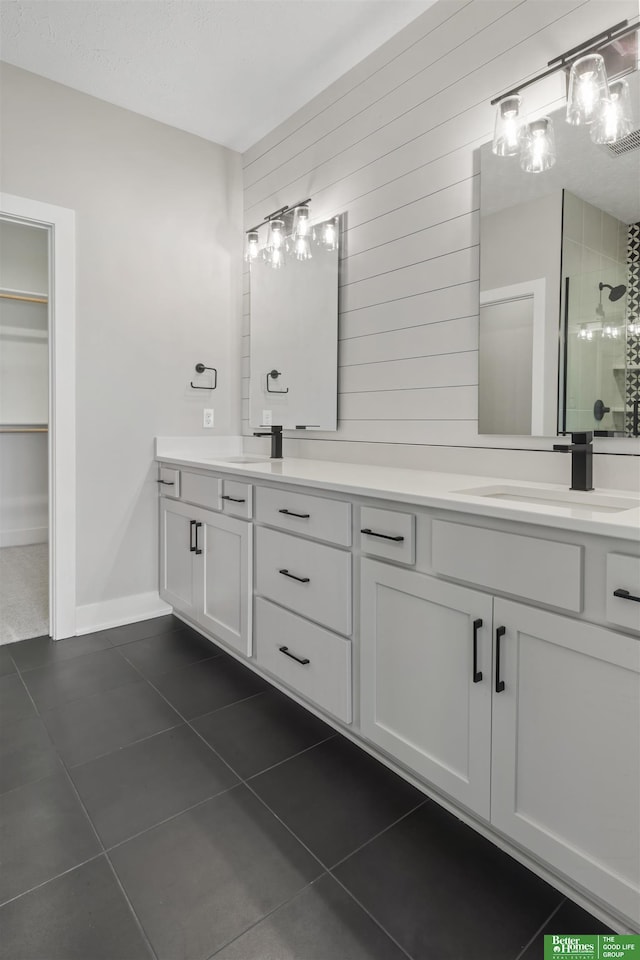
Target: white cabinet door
{"type": "Point", "coordinates": [566, 749]}
{"type": "Point", "coordinates": [224, 578]}
{"type": "Point", "coordinates": [177, 575]}
{"type": "Point", "coordinates": [421, 699]}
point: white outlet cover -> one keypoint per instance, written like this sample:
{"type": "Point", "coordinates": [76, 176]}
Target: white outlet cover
{"type": "Point", "coordinates": [207, 417]}
{"type": "Point", "coordinates": [267, 418]}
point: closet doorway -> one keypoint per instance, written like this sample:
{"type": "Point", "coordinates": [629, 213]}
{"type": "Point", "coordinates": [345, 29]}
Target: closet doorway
{"type": "Point", "coordinates": [24, 427]}
{"type": "Point", "coordinates": [37, 420]}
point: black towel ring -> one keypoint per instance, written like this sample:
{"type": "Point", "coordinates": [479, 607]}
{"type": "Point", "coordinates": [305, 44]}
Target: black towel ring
{"type": "Point", "coordinates": [200, 368]}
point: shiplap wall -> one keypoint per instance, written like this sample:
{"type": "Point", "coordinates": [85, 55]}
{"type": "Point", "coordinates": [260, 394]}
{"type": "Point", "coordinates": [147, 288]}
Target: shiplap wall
{"type": "Point", "coordinates": [393, 144]}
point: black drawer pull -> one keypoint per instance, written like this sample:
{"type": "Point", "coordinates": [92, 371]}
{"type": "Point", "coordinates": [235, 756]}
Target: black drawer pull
{"type": "Point", "coordinates": [225, 496]}
{"type": "Point", "coordinates": [192, 524]}
{"type": "Point", "coordinates": [292, 576]}
{"type": "Point", "coordinates": [303, 660]}
{"type": "Point", "coordinates": [625, 595]}
{"type": "Point", "coordinates": [383, 536]}
{"type": "Point", "coordinates": [477, 674]}
{"type": "Point", "coordinates": [167, 483]}
{"type": "Point", "coordinates": [500, 632]}
{"type": "Point", "coordinates": [197, 549]}
{"type": "Point", "coordinates": [290, 513]}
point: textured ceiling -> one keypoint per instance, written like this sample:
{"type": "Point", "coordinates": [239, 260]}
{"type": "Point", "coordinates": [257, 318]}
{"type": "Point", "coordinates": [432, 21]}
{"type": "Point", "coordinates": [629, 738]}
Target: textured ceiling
{"type": "Point", "coordinates": [226, 70]}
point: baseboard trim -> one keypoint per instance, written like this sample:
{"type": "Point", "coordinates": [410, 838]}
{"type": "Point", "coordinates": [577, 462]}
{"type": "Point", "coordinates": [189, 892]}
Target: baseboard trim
{"type": "Point", "coordinates": [25, 537]}
{"type": "Point", "coordinates": [115, 613]}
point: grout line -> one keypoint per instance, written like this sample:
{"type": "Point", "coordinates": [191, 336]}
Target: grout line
{"type": "Point", "coordinates": [124, 746]}
{"type": "Point", "coordinates": [372, 917]}
{"type": "Point", "coordinates": [44, 883]}
{"type": "Point", "coordinates": [380, 833]}
{"type": "Point", "coordinates": [540, 928]}
{"type": "Point", "coordinates": [273, 766]}
{"type": "Point", "coordinates": [101, 845]}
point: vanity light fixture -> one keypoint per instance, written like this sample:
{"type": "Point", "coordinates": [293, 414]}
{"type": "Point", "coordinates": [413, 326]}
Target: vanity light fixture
{"type": "Point", "coordinates": [593, 99]}
{"type": "Point", "coordinates": [253, 249]}
{"type": "Point", "coordinates": [290, 233]}
{"type": "Point", "coordinates": [301, 233]}
{"type": "Point", "coordinates": [585, 332]}
{"type": "Point", "coordinates": [326, 233]}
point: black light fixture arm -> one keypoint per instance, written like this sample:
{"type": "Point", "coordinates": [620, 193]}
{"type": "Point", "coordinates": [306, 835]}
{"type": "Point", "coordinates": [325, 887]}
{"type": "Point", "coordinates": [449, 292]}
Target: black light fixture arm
{"type": "Point", "coordinates": [616, 32]}
{"type": "Point", "coordinates": [278, 213]}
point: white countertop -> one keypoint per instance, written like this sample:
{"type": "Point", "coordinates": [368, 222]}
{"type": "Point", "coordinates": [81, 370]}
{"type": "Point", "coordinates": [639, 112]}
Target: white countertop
{"type": "Point", "coordinates": [425, 488]}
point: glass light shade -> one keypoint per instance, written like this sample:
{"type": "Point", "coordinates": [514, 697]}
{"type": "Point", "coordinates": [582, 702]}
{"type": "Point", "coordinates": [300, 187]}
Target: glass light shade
{"type": "Point", "coordinates": [584, 333]}
{"type": "Point", "coordinates": [274, 251]}
{"type": "Point", "coordinates": [506, 134]}
{"type": "Point", "coordinates": [609, 332]}
{"type": "Point", "coordinates": [326, 234]}
{"type": "Point", "coordinates": [277, 258]}
{"type": "Point", "coordinates": [301, 226]}
{"type": "Point", "coordinates": [537, 146]}
{"type": "Point", "coordinates": [252, 246]}
{"type": "Point", "coordinates": [588, 87]}
{"type": "Point", "coordinates": [613, 119]}
{"type": "Point", "coordinates": [301, 248]}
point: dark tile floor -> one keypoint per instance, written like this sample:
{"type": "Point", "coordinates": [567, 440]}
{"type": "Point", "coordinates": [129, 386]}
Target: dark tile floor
{"type": "Point", "coordinates": [159, 800]}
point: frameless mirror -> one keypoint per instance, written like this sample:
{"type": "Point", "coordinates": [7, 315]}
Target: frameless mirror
{"type": "Point", "coordinates": [294, 341]}
{"type": "Point", "coordinates": [559, 340]}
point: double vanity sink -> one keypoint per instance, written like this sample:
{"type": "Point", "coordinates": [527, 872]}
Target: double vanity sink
{"type": "Point", "coordinates": [476, 635]}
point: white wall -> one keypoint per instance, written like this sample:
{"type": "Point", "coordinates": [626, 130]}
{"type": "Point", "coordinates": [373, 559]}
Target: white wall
{"type": "Point", "coordinates": [394, 144]}
{"type": "Point", "coordinates": [158, 215]}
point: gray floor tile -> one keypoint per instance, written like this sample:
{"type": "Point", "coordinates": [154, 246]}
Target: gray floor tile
{"type": "Point", "coordinates": [40, 651]}
{"type": "Point", "coordinates": [64, 680]}
{"type": "Point", "coordinates": [92, 726]}
{"type": "Point", "coordinates": [570, 919]}
{"type": "Point", "coordinates": [442, 890]}
{"type": "Point", "coordinates": [6, 663]}
{"type": "Point", "coordinates": [43, 832]}
{"type": "Point", "coordinates": [136, 787]}
{"type": "Point", "coordinates": [257, 733]}
{"type": "Point", "coordinates": [321, 923]}
{"type": "Point", "coordinates": [80, 916]}
{"type": "Point", "coordinates": [204, 877]}
{"type": "Point", "coordinates": [203, 687]}
{"type": "Point", "coordinates": [168, 651]}
{"type": "Point", "coordinates": [26, 753]}
{"type": "Point", "coordinates": [14, 700]}
{"type": "Point", "coordinates": [335, 797]}
{"type": "Point", "coordinates": [142, 628]}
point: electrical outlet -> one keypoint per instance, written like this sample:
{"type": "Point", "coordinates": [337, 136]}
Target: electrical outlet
{"type": "Point", "coordinates": [267, 418]}
{"type": "Point", "coordinates": [207, 417]}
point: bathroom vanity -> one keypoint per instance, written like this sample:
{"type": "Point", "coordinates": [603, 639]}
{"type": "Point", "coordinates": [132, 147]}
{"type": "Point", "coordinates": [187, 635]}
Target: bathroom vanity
{"type": "Point", "coordinates": [481, 638]}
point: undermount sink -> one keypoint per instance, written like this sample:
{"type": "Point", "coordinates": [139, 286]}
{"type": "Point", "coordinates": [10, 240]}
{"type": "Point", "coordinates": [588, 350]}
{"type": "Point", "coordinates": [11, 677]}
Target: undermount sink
{"type": "Point", "coordinates": [571, 499]}
{"type": "Point", "coordinates": [245, 458]}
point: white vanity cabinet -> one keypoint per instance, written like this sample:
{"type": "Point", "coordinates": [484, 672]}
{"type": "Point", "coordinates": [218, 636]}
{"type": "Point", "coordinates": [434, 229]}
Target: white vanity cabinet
{"type": "Point", "coordinates": [425, 692]}
{"type": "Point", "coordinates": [565, 772]}
{"type": "Point", "coordinates": [205, 570]}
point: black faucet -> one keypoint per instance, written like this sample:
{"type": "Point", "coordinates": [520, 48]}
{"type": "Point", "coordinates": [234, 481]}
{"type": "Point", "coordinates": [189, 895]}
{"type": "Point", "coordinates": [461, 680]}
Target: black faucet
{"type": "Point", "coordinates": [581, 449]}
{"type": "Point", "coordinates": [276, 440]}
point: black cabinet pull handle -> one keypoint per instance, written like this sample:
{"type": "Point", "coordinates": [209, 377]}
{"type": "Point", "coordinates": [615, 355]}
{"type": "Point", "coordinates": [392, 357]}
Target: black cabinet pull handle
{"type": "Point", "coordinates": [383, 536]}
{"type": "Point", "coordinates": [225, 496]}
{"type": "Point", "coordinates": [500, 632]}
{"type": "Point", "coordinates": [477, 674]}
{"type": "Point", "coordinates": [625, 595]}
{"type": "Point", "coordinates": [167, 483]}
{"type": "Point", "coordinates": [303, 660]}
{"type": "Point", "coordinates": [192, 524]}
{"type": "Point", "coordinates": [292, 576]}
{"type": "Point", "coordinates": [198, 525]}
{"type": "Point", "coordinates": [290, 513]}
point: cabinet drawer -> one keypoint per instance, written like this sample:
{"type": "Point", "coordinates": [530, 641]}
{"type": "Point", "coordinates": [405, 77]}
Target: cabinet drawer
{"type": "Point", "coordinates": [623, 574]}
{"type": "Point", "coordinates": [388, 534]}
{"type": "Point", "coordinates": [236, 498]}
{"type": "Point", "coordinates": [201, 489]}
{"type": "Point", "coordinates": [311, 516]}
{"type": "Point", "coordinates": [306, 577]}
{"type": "Point", "coordinates": [169, 482]}
{"type": "Point", "coordinates": [283, 640]}
{"type": "Point", "coordinates": [542, 570]}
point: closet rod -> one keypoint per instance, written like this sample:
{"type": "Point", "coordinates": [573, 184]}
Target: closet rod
{"type": "Point", "coordinates": [16, 296]}
{"type": "Point", "coordinates": [24, 429]}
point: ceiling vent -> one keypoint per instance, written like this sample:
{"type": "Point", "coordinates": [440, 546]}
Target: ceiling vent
{"type": "Point", "coordinates": [625, 145]}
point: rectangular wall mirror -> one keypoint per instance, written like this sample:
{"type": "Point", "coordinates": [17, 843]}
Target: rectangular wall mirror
{"type": "Point", "coordinates": [294, 341]}
{"type": "Point", "coordinates": [559, 341]}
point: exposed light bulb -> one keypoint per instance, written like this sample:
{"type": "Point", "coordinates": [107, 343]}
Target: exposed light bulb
{"type": "Point", "coordinates": [613, 117]}
{"type": "Point", "coordinates": [584, 333]}
{"type": "Point", "coordinates": [302, 248]}
{"type": "Point", "coordinates": [588, 87]}
{"type": "Point", "coordinates": [327, 234]}
{"type": "Point", "coordinates": [506, 135]}
{"type": "Point", "coordinates": [252, 246]}
{"type": "Point", "coordinates": [537, 146]}
{"type": "Point", "coordinates": [609, 332]}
